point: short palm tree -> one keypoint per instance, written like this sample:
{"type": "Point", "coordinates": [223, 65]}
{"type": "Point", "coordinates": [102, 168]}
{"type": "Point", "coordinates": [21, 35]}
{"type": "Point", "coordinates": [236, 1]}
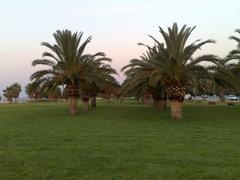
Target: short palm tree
{"type": "Point", "coordinates": [108, 83]}
{"type": "Point", "coordinates": [8, 94]}
{"type": "Point", "coordinates": [16, 88]}
{"type": "Point", "coordinates": [33, 91]}
{"type": "Point", "coordinates": [68, 65]}
{"type": "Point", "coordinates": [223, 73]}
{"type": "Point", "coordinates": [12, 92]}
{"type": "Point", "coordinates": [102, 78]}
{"type": "Point", "coordinates": [138, 80]}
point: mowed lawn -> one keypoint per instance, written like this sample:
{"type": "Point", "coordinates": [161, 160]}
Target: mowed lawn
{"type": "Point", "coordinates": [119, 141]}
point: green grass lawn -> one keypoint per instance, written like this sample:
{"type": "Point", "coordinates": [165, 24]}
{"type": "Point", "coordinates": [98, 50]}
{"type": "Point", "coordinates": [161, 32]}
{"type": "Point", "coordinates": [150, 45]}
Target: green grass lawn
{"type": "Point", "coordinates": [119, 141]}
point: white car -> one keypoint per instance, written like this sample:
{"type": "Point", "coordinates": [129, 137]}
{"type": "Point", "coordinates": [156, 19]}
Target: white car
{"type": "Point", "coordinates": [232, 98]}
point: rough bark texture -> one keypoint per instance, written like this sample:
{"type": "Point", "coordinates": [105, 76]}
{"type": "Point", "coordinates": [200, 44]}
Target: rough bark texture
{"type": "Point", "coordinates": [176, 109]}
{"type": "Point", "coordinates": [93, 102]}
{"type": "Point", "coordinates": [175, 92]}
{"type": "Point", "coordinates": [73, 97]}
{"type": "Point", "coordinates": [85, 105]}
{"type": "Point", "coordinates": [73, 105]}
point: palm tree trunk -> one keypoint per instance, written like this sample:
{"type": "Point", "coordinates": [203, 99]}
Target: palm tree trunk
{"type": "Point", "coordinates": [176, 109]}
{"type": "Point", "coordinates": [73, 105]}
{"type": "Point", "coordinates": [85, 100]}
{"type": "Point", "coordinates": [86, 105]}
{"type": "Point", "coordinates": [93, 102]}
{"type": "Point", "coordinates": [73, 97]}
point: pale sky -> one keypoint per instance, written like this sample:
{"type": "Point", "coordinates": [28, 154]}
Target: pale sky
{"type": "Point", "coordinates": [116, 26]}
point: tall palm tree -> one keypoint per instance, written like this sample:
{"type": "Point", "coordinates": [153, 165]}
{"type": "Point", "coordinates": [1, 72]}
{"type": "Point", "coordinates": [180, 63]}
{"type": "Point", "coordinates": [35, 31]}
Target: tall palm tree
{"type": "Point", "coordinates": [68, 65]}
{"type": "Point", "coordinates": [174, 65]}
{"type": "Point", "coordinates": [178, 68]}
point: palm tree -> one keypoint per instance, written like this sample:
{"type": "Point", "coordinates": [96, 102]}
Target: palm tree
{"type": "Point", "coordinates": [159, 97]}
{"type": "Point", "coordinates": [42, 89]}
{"type": "Point", "coordinates": [138, 74]}
{"type": "Point", "coordinates": [137, 78]}
{"type": "Point", "coordinates": [236, 72]}
{"type": "Point", "coordinates": [55, 94]}
{"type": "Point", "coordinates": [235, 53]}
{"type": "Point", "coordinates": [7, 93]}
{"type": "Point", "coordinates": [68, 65]}
{"type": "Point", "coordinates": [33, 91]}
{"type": "Point", "coordinates": [16, 88]}
{"type": "Point", "coordinates": [223, 73]}
{"type": "Point", "coordinates": [12, 92]}
{"type": "Point", "coordinates": [103, 81]}
{"type": "Point", "coordinates": [174, 66]}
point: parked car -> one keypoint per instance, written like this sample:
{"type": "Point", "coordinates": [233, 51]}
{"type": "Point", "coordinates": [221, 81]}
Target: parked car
{"type": "Point", "coordinates": [232, 98]}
